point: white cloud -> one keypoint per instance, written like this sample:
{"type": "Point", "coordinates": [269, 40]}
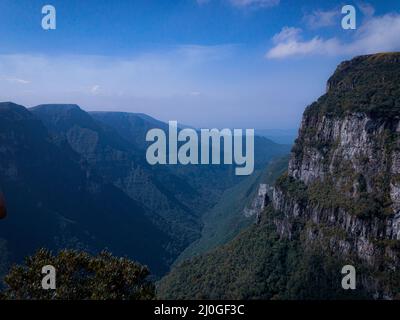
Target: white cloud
{"type": "Point", "coordinates": [377, 34]}
{"type": "Point", "coordinates": [17, 80]}
{"type": "Point", "coordinates": [96, 80]}
{"type": "Point", "coordinates": [327, 18]}
{"type": "Point", "coordinates": [319, 18]}
{"type": "Point", "coordinates": [287, 34]}
{"type": "Point", "coordinates": [296, 47]}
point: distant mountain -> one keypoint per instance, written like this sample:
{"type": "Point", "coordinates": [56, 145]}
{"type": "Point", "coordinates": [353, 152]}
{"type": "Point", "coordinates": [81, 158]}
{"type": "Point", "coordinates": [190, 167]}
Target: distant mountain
{"type": "Point", "coordinates": [132, 126]}
{"type": "Point", "coordinates": [278, 135]}
{"type": "Point", "coordinates": [122, 162]}
{"type": "Point", "coordinates": [80, 180]}
{"type": "Point", "coordinates": [215, 185]}
{"type": "Point", "coordinates": [210, 181]}
{"type": "Point", "coordinates": [55, 200]}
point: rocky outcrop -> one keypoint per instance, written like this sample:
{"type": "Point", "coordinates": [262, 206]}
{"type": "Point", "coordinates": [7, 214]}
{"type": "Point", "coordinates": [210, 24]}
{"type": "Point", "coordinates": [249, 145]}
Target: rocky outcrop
{"type": "Point", "coordinates": [343, 180]}
{"type": "Point", "coordinates": [260, 201]}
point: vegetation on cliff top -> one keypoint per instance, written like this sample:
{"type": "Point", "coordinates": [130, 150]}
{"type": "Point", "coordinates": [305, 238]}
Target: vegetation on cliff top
{"type": "Point", "coordinates": [369, 84]}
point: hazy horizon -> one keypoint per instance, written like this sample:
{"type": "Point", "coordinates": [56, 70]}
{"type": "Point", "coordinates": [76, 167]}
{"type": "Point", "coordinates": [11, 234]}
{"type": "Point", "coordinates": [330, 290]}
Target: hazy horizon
{"type": "Point", "coordinates": [207, 63]}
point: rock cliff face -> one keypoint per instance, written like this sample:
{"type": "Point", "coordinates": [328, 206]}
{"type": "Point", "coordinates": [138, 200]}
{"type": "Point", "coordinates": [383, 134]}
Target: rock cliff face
{"type": "Point", "coordinates": [343, 180]}
{"type": "Point", "coordinates": [258, 204]}
{"type": "Point", "coordinates": [337, 204]}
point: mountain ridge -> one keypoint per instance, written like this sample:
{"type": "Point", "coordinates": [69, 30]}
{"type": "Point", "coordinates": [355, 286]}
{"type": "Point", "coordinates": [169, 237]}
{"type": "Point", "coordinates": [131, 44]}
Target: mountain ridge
{"type": "Point", "coordinates": [68, 152]}
{"type": "Point", "coordinates": [54, 200]}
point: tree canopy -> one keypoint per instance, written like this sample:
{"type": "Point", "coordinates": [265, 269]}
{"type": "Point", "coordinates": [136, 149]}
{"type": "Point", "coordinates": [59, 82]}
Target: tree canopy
{"type": "Point", "coordinates": [79, 276]}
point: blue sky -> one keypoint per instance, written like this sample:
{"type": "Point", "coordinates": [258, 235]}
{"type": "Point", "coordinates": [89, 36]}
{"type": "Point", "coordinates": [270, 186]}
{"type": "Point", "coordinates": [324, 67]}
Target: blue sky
{"type": "Point", "coordinates": [220, 63]}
